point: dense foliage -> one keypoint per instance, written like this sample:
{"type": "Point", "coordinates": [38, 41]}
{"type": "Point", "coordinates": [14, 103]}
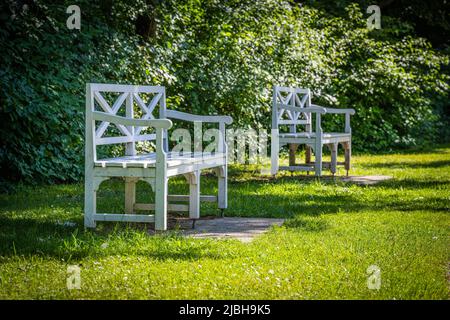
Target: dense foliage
{"type": "Point", "coordinates": [214, 57]}
{"type": "Point", "coordinates": [429, 19]}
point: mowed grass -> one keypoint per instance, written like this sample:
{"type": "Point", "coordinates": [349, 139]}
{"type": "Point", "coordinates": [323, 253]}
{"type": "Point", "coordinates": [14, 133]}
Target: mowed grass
{"type": "Point", "coordinates": [333, 233]}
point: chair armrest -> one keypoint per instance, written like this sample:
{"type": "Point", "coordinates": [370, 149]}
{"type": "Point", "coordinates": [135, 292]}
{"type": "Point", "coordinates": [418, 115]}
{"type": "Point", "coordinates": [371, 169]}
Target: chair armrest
{"type": "Point", "coordinates": [335, 110]}
{"type": "Point", "coordinates": [193, 117]}
{"type": "Point", "coordinates": [155, 123]}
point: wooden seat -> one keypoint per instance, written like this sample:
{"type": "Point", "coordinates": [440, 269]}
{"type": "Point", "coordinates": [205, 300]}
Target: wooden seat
{"type": "Point", "coordinates": [155, 167]}
{"type": "Point", "coordinates": [332, 136]}
{"type": "Point", "coordinates": [292, 109]}
{"type": "Point", "coordinates": [174, 159]}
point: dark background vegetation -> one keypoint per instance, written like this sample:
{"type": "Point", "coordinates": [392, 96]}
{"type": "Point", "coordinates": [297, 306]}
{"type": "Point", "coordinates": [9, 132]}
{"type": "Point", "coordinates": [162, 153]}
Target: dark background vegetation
{"type": "Point", "coordinates": [219, 57]}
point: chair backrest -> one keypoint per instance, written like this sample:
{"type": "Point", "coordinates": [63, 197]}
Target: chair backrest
{"type": "Point", "coordinates": [282, 115]}
{"type": "Point", "coordinates": [131, 101]}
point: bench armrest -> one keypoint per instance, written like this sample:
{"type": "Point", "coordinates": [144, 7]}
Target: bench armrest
{"type": "Point", "coordinates": [312, 108]}
{"type": "Point", "coordinates": [347, 113]}
{"type": "Point", "coordinates": [335, 110]}
{"type": "Point", "coordinates": [155, 123]}
{"type": "Point", "coordinates": [193, 117]}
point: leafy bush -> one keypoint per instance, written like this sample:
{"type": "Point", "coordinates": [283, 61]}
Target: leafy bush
{"type": "Point", "coordinates": [214, 57]}
{"type": "Point", "coordinates": [43, 75]}
{"type": "Point", "coordinates": [229, 57]}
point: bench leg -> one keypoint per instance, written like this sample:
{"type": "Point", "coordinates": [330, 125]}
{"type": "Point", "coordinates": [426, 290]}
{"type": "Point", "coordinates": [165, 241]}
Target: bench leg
{"type": "Point", "coordinates": [161, 203]}
{"type": "Point", "coordinates": [274, 152]}
{"type": "Point", "coordinates": [90, 199]}
{"type": "Point", "coordinates": [318, 160]}
{"type": "Point", "coordinates": [194, 195]}
{"type": "Point", "coordinates": [307, 156]}
{"type": "Point", "coordinates": [348, 155]}
{"type": "Point", "coordinates": [90, 205]}
{"type": "Point", "coordinates": [130, 194]}
{"type": "Point", "coordinates": [333, 148]}
{"type": "Point", "coordinates": [292, 150]}
{"type": "Point", "coordinates": [222, 196]}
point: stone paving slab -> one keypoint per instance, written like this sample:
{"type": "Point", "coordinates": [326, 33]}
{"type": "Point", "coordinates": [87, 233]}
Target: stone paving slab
{"type": "Point", "coordinates": [366, 180]}
{"type": "Point", "coordinates": [243, 229]}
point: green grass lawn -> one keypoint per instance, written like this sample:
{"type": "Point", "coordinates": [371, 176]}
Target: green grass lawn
{"type": "Point", "coordinates": [334, 232]}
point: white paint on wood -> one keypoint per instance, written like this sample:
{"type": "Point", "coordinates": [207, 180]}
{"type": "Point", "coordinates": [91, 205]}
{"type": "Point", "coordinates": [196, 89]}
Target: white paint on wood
{"type": "Point", "coordinates": [197, 118]}
{"type": "Point", "coordinates": [222, 194]}
{"type": "Point", "coordinates": [124, 217]}
{"type": "Point", "coordinates": [295, 103]}
{"type": "Point", "coordinates": [180, 198]}
{"type": "Point", "coordinates": [170, 207]}
{"type": "Point", "coordinates": [194, 194]}
{"type": "Point", "coordinates": [154, 168]}
{"type": "Point", "coordinates": [161, 184]}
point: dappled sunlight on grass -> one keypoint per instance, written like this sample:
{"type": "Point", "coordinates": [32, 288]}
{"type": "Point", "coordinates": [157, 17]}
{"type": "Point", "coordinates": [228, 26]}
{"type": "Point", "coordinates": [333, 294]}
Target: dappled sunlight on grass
{"type": "Point", "coordinates": [333, 232]}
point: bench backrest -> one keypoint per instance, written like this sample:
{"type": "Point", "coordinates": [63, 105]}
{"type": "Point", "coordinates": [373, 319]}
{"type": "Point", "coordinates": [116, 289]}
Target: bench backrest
{"type": "Point", "coordinates": [131, 101]}
{"type": "Point", "coordinates": [285, 97]}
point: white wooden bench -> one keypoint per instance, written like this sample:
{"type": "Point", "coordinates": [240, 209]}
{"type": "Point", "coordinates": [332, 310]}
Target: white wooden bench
{"type": "Point", "coordinates": [154, 167]}
{"type": "Point", "coordinates": [292, 107]}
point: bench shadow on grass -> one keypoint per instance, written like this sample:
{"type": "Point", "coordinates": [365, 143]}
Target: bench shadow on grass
{"type": "Point", "coordinates": [308, 224]}
{"type": "Point", "coordinates": [306, 204]}
{"type": "Point", "coordinates": [27, 237]}
{"type": "Point", "coordinates": [31, 236]}
{"type": "Point", "coordinates": [411, 184]}
{"type": "Point", "coordinates": [409, 165]}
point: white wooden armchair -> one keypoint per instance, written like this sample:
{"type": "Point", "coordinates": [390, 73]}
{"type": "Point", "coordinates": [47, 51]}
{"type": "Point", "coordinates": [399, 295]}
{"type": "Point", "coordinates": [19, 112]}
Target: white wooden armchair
{"type": "Point", "coordinates": [292, 108]}
{"type": "Point", "coordinates": [156, 167]}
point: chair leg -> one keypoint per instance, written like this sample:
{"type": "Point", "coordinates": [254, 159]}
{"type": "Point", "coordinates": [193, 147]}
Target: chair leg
{"type": "Point", "coordinates": [275, 150]}
{"type": "Point", "coordinates": [348, 155]}
{"type": "Point", "coordinates": [90, 203]}
{"type": "Point", "coordinates": [194, 195]}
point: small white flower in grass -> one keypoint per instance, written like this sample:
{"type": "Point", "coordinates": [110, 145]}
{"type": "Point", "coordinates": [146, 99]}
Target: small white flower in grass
{"type": "Point", "coordinates": [104, 245]}
{"type": "Point", "coordinates": [271, 271]}
{"type": "Point", "coordinates": [435, 238]}
{"type": "Point", "coordinates": [125, 278]}
{"type": "Point", "coordinates": [66, 223]}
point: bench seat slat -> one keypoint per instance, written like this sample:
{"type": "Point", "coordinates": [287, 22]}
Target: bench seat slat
{"type": "Point", "coordinates": [149, 159]}
{"type": "Point", "coordinates": [313, 134]}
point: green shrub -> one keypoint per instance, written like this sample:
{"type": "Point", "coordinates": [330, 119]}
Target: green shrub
{"type": "Point", "coordinates": [43, 75]}
{"type": "Point", "coordinates": [214, 57]}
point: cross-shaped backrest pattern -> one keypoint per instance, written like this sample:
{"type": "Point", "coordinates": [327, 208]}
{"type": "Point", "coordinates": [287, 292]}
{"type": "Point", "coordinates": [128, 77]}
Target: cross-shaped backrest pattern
{"type": "Point", "coordinates": [136, 102]}
{"type": "Point", "coordinates": [284, 101]}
